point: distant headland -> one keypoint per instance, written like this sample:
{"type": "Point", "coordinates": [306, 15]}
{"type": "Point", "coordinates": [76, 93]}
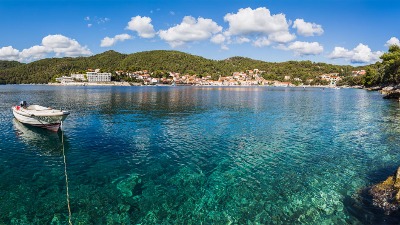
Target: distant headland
{"type": "Point", "coordinates": [163, 67]}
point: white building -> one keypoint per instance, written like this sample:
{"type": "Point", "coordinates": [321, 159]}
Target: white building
{"type": "Point", "coordinates": [98, 77]}
{"type": "Point", "coordinates": [64, 79]}
{"type": "Point", "coordinates": [78, 77]}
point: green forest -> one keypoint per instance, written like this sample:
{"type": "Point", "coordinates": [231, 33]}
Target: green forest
{"type": "Point", "coordinates": [386, 72]}
{"type": "Point", "coordinates": [161, 62]}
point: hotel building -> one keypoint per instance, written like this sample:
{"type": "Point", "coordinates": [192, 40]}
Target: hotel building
{"type": "Point", "coordinates": [98, 77]}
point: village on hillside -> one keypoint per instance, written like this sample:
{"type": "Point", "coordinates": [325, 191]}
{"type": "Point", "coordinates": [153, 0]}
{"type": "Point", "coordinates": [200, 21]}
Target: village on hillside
{"type": "Point", "coordinates": [247, 78]}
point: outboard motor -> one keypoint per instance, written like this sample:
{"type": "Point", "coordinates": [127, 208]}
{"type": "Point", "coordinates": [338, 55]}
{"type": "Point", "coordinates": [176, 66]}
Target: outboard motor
{"type": "Point", "coordinates": [23, 104]}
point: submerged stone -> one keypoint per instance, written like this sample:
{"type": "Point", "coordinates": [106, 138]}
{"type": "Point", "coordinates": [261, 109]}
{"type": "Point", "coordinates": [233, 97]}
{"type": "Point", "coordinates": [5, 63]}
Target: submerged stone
{"type": "Point", "coordinates": [123, 208]}
{"type": "Point", "coordinates": [55, 220]}
{"type": "Point", "coordinates": [386, 195]}
{"type": "Point", "coordinates": [126, 186]}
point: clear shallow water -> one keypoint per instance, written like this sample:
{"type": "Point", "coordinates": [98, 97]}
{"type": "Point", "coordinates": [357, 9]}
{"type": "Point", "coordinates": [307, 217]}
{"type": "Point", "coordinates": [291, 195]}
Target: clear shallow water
{"type": "Point", "coordinates": [212, 155]}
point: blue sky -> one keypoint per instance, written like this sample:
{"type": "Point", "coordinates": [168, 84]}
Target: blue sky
{"type": "Point", "coordinates": [353, 32]}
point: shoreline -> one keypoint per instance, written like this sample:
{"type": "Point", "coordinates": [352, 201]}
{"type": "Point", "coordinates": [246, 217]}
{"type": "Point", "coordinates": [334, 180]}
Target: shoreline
{"type": "Point", "coordinates": [127, 84]}
{"type": "Point", "coordinates": [185, 85]}
{"type": "Point", "coordinates": [91, 84]}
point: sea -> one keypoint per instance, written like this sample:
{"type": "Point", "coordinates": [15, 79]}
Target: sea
{"type": "Point", "coordinates": [198, 155]}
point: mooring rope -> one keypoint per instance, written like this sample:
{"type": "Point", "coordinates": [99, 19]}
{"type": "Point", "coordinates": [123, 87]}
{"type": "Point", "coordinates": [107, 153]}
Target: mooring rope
{"type": "Point", "coordinates": [66, 176]}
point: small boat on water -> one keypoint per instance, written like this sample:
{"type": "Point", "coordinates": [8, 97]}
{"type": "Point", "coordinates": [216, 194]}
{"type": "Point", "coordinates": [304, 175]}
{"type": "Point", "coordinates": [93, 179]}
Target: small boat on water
{"type": "Point", "coordinates": [39, 116]}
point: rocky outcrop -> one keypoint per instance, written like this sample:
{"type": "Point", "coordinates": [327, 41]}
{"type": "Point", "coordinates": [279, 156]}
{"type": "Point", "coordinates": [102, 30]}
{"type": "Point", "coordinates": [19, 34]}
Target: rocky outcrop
{"type": "Point", "coordinates": [376, 88]}
{"type": "Point", "coordinates": [386, 195]}
{"type": "Point", "coordinates": [391, 92]}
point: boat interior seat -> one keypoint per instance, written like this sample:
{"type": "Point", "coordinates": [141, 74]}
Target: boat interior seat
{"type": "Point", "coordinates": [37, 108]}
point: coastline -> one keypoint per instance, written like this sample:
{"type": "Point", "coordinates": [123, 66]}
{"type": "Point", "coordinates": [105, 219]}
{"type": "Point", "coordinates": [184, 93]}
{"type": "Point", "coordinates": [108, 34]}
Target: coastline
{"type": "Point", "coordinates": [92, 84]}
{"type": "Point", "coordinates": [179, 85]}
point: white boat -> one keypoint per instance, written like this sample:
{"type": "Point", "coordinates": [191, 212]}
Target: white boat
{"type": "Point", "coordinates": [39, 116]}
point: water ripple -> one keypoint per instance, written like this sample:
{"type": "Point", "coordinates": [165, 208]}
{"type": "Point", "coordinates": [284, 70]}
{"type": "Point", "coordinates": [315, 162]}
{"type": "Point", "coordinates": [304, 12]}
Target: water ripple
{"type": "Point", "coordinates": [212, 155]}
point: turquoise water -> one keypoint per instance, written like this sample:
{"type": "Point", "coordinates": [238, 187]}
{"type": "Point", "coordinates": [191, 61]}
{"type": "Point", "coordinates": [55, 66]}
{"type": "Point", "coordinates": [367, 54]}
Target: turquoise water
{"type": "Point", "coordinates": [192, 155]}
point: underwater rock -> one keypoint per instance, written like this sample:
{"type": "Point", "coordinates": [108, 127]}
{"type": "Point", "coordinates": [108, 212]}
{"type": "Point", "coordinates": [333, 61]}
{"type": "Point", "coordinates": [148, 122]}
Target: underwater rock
{"type": "Point", "coordinates": [123, 208]}
{"type": "Point", "coordinates": [126, 186]}
{"type": "Point", "coordinates": [55, 220]}
{"type": "Point", "coordinates": [386, 195]}
{"type": "Point", "coordinates": [23, 220]}
{"type": "Point", "coordinates": [116, 218]}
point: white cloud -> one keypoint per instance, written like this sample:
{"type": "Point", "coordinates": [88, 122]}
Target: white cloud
{"type": "Point", "coordinates": [102, 20]}
{"type": "Point", "coordinates": [172, 13]}
{"type": "Point", "coordinates": [305, 48]}
{"type": "Point", "coordinates": [96, 20]}
{"type": "Point", "coordinates": [340, 52]}
{"type": "Point", "coordinates": [260, 20]}
{"type": "Point", "coordinates": [393, 41]}
{"type": "Point", "coordinates": [307, 29]}
{"type": "Point", "coordinates": [259, 26]}
{"type": "Point", "coordinates": [190, 30]}
{"type": "Point", "coordinates": [360, 54]}
{"type": "Point", "coordinates": [34, 53]}
{"type": "Point", "coordinates": [218, 39]}
{"type": "Point", "coordinates": [58, 45]}
{"type": "Point", "coordinates": [107, 41]}
{"type": "Point", "coordinates": [142, 25]}
{"type": "Point", "coordinates": [241, 40]}
{"type": "Point", "coordinates": [57, 41]}
{"type": "Point", "coordinates": [261, 42]}
{"type": "Point", "coordinates": [64, 46]}
{"type": "Point", "coordinates": [224, 47]}
{"type": "Point", "coordinates": [363, 54]}
{"type": "Point", "coordinates": [9, 53]}
{"type": "Point", "coordinates": [281, 37]}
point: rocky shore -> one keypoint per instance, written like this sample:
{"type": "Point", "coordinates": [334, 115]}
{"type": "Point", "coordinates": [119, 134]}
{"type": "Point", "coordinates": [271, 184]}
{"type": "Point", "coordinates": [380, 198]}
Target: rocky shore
{"type": "Point", "coordinates": [388, 92]}
{"type": "Point", "coordinates": [391, 92]}
{"type": "Point", "coordinates": [386, 195]}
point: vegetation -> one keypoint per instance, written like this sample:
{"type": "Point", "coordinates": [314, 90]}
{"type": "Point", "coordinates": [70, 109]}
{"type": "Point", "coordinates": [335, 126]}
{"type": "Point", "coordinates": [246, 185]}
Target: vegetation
{"type": "Point", "coordinates": [382, 73]}
{"type": "Point", "coordinates": [9, 64]}
{"type": "Point", "coordinates": [388, 71]}
{"type": "Point", "coordinates": [159, 64]}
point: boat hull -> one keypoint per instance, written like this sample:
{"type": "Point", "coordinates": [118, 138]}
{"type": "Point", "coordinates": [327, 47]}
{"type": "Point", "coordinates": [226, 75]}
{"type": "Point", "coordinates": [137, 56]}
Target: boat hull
{"type": "Point", "coordinates": [51, 122]}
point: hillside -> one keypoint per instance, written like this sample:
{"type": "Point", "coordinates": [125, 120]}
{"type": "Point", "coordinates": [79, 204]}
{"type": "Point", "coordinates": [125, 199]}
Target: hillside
{"type": "Point", "coordinates": [42, 71]}
{"type": "Point", "coordinates": [8, 64]}
{"type": "Point", "coordinates": [159, 61]}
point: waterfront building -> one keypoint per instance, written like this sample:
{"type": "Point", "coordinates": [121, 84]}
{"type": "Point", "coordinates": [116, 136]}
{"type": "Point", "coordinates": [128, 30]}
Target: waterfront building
{"type": "Point", "coordinates": [64, 79]}
{"type": "Point", "coordinates": [80, 77]}
{"type": "Point", "coordinates": [98, 77]}
{"type": "Point", "coordinates": [334, 79]}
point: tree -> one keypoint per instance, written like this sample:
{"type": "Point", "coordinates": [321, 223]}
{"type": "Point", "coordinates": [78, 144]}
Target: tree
{"type": "Point", "coordinates": [371, 77]}
{"type": "Point", "coordinates": [391, 65]}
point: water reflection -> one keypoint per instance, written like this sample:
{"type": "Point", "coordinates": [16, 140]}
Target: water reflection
{"type": "Point", "coordinates": [47, 142]}
{"type": "Point", "coordinates": [198, 155]}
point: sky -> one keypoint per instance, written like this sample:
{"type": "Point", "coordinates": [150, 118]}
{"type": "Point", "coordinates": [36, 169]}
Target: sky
{"type": "Point", "coordinates": [344, 32]}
